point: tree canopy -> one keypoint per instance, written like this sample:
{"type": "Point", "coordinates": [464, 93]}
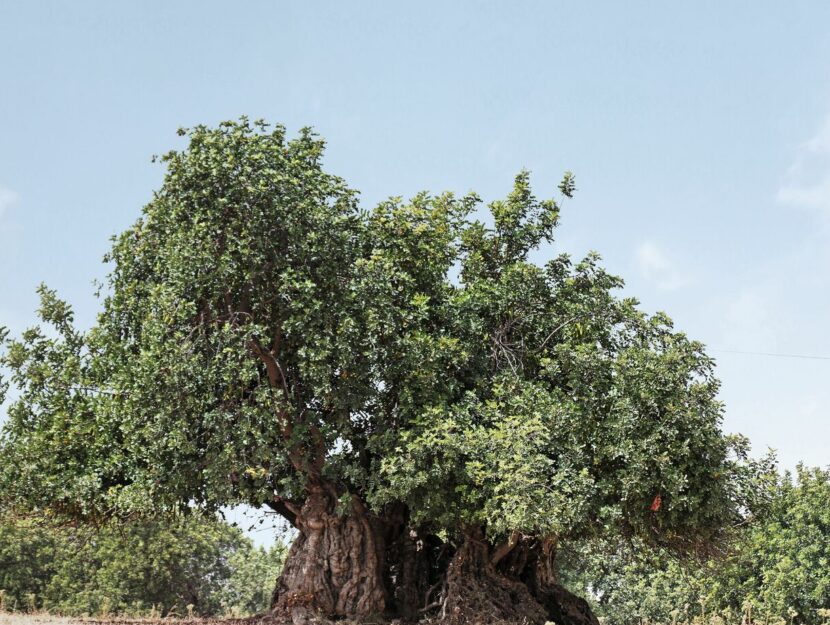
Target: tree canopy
{"type": "Point", "coordinates": [264, 339]}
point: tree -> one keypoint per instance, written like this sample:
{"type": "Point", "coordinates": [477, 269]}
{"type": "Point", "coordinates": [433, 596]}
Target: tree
{"type": "Point", "coordinates": [434, 413]}
{"type": "Point", "coordinates": [249, 589]}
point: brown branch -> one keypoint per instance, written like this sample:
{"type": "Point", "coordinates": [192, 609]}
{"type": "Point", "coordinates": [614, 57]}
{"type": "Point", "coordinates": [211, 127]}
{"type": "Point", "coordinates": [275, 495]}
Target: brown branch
{"type": "Point", "coordinates": [287, 509]}
{"type": "Point", "coordinates": [434, 604]}
{"type": "Point", "coordinates": [276, 376]}
{"type": "Point", "coordinates": [275, 343]}
{"type": "Point", "coordinates": [505, 548]}
{"type": "Point", "coordinates": [319, 450]}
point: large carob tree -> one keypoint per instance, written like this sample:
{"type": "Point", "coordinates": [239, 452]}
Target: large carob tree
{"type": "Point", "coordinates": [433, 412]}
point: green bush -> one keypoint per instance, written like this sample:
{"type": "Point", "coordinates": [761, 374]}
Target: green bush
{"type": "Point", "coordinates": [140, 568]}
{"type": "Point", "coordinates": [778, 568]}
{"type": "Point", "coordinates": [27, 561]}
{"type": "Point", "coordinates": [249, 588]}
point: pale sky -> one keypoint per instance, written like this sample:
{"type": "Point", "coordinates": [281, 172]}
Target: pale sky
{"type": "Point", "coordinates": [699, 134]}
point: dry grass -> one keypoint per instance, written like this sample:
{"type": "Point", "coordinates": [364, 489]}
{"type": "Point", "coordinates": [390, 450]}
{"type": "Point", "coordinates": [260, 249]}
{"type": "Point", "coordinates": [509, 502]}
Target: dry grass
{"type": "Point", "coordinates": [40, 618]}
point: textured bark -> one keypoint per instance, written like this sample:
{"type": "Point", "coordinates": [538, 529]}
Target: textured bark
{"type": "Point", "coordinates": [358, 567]}
{"type": "Point", "coordinates": [335, 565]}
{"type": "Point", "coordinates": [514, 582]}
{"type": "Point", "coordinates": [477, 593]}
{"type": "Point", "coordinates": [416, 574]}
{"type": "Point", "coordinates": [407, 574]}
{"type": "Point", "coordinates": [565, 608]}
{"type": "Point", "coordinates": [533, 561]}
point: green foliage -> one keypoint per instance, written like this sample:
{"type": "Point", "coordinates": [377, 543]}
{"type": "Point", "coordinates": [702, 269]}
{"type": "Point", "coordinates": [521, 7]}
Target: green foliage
{"type": "Point", "coordinates": [250, 586]}
{"type": "Point", "coordinates": [27, 561]}
{"type": "Point", "coordinates": [172, 566]}
{"type": "Point", "coordinates": [260, 333]}
{"type": "Point", "coordinates": [783, 562]}
{"type": "Point", "coordinates": [135, 568]}
{"type": "Point", "coordinates": [631, 585]}
{"type": "Point", "coordinates": [778, 567]}
{"type": "Point", "coordinates": [577, 410]}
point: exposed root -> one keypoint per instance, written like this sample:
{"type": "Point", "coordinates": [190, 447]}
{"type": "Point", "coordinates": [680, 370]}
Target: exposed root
{"type": "Point", "coordinates": [477, 594]}
{"type": "Point", "coordinates": [355, 569]}
{"type": "Point", "coordinates": [565, 608]}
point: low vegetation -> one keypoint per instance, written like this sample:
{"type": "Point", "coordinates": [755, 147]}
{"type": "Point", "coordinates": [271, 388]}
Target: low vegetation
{"type": "Point", "coordinates": [776, 570]}
{"type": "Point", "coordinates": [152, 568]}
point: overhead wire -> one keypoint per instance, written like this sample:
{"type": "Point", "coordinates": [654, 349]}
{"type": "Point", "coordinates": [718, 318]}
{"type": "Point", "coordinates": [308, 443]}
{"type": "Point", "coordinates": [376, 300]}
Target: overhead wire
{"type": "Point", "coordinates": [770, 354]}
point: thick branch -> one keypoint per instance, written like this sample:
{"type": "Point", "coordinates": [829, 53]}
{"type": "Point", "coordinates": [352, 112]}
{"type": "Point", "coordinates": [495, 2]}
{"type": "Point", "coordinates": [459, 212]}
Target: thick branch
{"type": "Point", "coordinates": [505, 548]}
{"type": "Point", "coordinates": [287, 509]}
{"type": "Point", "coordinates": [276, 377]}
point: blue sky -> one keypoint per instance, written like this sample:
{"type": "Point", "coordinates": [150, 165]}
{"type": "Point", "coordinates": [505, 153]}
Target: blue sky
{"type": "Point", "coordinates": [699, 134]}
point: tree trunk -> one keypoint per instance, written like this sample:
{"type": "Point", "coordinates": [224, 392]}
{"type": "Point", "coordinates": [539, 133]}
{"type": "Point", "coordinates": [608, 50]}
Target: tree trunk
{"type": "Point", "coordinates": [416, 573]}
{"type": "Point", "coordinates": [479, 594]}
{"type": "Point", "coordinates": [335, 566]}
{"type": "Point", "coordinates": [356, 566]}
{"type": "Point", "coordinates": [533, 562]}
{"type": "Point", "coordinates": [513, 583]}
{"type": "Point", "coordinates": [407, 574]}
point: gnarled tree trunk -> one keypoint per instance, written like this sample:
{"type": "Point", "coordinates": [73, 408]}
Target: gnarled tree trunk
{"type": "Point", "coordinates": [357, 566]}
{"type": "Point", "coordinates": [335, 565]}
{"type": "Point", "coordinates": [478, 593]}
{"type": "Point", "coordinates": [563, 607]}
{"type": "Point", "coordinates": [511, 583]}
{"type": "Point", "coordinates": [415, 573]}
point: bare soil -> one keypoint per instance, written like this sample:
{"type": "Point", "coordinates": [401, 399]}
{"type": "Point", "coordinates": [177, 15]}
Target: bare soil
{"type": "Point", "coordinates": [32, 619]}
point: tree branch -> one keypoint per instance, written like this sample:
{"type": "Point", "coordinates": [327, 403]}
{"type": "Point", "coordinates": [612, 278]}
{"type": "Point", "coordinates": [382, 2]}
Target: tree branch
{"type": "Point", "coordinates": [287, 509]}
{"type": "Point", "coordinates": [505, 548]}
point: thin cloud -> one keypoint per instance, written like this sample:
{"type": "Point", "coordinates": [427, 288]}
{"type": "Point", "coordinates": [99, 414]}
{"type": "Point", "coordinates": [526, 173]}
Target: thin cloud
{"type": "Point", "coordinates": [656, 267]}
{"type": "Point", "coordinates": [751, 319]}
{"type": "Point", "coordinates": [807, 181]}
{"type": "Point", "coordinates": [7, 198]}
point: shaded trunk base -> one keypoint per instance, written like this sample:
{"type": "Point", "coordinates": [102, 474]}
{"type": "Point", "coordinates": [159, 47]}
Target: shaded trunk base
{"type": "Point", "coordinates": [334, 567]}
{"type": "Point", "coordinates": [535, 561]}
{"type": "Point", "coordinates": [517, 588]}
{"type": "Point", "coordinates": [357, 568]}
{"type": "Point", "coordinates": [565, 608]}
{"type": "Point", "coordinates": [478, 594]}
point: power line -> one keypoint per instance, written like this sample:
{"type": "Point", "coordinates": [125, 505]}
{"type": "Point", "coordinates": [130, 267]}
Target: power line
{"type": "Point", "coordinates": [770, 354]}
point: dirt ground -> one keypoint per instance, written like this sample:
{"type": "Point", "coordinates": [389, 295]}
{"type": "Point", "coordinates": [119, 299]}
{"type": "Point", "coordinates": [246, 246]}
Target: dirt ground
{"type": "Point", "coordinates": [32, 619]}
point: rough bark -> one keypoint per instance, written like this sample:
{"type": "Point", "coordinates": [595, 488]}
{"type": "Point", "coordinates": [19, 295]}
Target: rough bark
{"type": "Point", "coordinates": [565, 608]}
{"type": "Point", "coordinates": [513, 582]}
{"type": "Point", "coordinates": [356, 566]}
{"type": "Point", "coordinates": [478, 593]}
{"type": "Point", "coordinates": [335, 565]}
{"type": "Point", "coordinates": [534, 562]}
{"type": "Point", "coordinates": [407, 574]}
{"type": "Point", "coordinates": [417, 565]}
